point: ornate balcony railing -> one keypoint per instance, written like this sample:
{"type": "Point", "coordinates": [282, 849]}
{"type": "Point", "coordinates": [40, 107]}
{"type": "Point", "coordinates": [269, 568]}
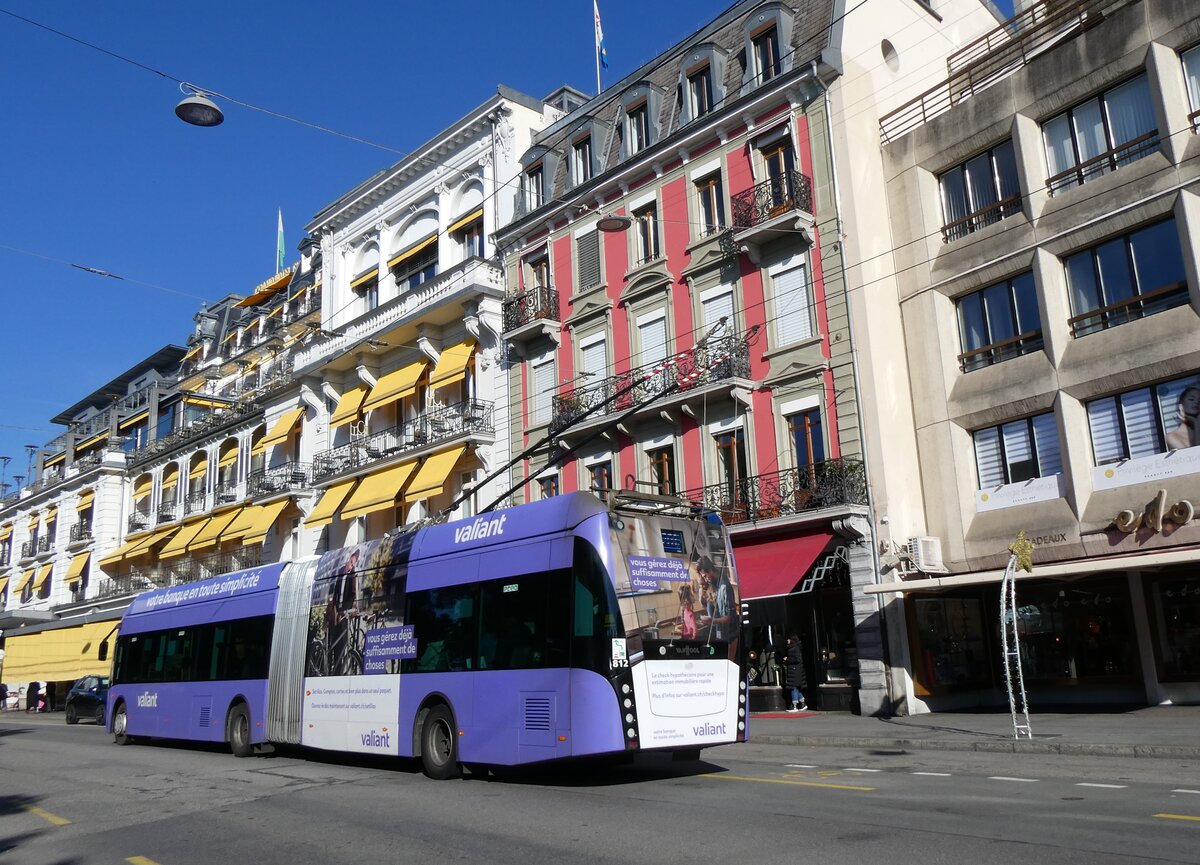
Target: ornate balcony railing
{"type": "Point", "coordinates": [790, 191]}
{"type": "Point", "coordinates": [190, 570]}
{"type": "Point", "coordinates": [541, 301]}
{"type": "Point", "coordinates": [167, 511]}
{"type": "Point", "coordinates": [29, 549]}
{"type": "Point", "coordinates": [226, 493]}
{"type": "Point", "coordinates": [80, 532]}
{"type": "Point", "coordinates": [436, 425]}
{"type": "Point", "coordinates": [786, 493]}
{"type": "Point", "coordinates": [718, 360]}
{"type": "Point", "coordinates": [195, 503]}
{"type": "Point", "coordinates": [43, 544]}
{"type": "Point", "coordinates": [139, 521]}
{"type": "Point", "coordinates": [280, 479]}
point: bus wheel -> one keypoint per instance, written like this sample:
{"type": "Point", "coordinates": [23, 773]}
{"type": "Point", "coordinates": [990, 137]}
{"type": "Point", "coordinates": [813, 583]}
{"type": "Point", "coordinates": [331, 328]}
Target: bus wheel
{"type": "Point", "coordinates": [239, 732]}
{"type": "Point", "coordinates": [439, 745]}
{"type": "Point", "coordinates": [120, 723]}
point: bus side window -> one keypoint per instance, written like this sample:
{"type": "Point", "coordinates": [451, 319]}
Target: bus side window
{"type": "Point", "coordinates": [595, 620]}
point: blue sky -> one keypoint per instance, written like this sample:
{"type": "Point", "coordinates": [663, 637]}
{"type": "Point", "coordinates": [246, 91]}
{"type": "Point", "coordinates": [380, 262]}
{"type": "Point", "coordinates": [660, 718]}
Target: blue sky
{"type": "Point", "coordinates": [100, 172]}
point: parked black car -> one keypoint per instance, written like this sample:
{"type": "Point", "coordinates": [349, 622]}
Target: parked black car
{"type": "Point", "coordinates": [86, 699]}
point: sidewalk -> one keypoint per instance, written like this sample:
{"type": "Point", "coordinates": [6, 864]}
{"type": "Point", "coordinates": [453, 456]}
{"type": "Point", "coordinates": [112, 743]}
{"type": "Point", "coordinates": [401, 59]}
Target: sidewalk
{"type": "Point", "coordinates": [1160, 731]}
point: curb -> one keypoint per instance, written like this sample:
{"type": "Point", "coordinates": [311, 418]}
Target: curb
{"type": "Point", "coordinates": [1166, 752]}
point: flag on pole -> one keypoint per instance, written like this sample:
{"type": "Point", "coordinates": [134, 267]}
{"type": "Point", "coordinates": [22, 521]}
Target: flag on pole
{"type": "Point", "coordinates": [279, 244]}
{"type": "Point", "coordinates": [601, 52]}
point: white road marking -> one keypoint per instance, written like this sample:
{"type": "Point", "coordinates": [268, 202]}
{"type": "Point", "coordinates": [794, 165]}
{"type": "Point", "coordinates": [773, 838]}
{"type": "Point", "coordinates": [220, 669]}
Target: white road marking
{"type": "Point", "coordinates": [1186, 791]}
{"type": "Point", "coordinates": [797, 766]}
{"type": "Point", "coordinates": [1004, 778]}
{"type": "Point", "coordinates": [851, 769]}
{"type": "Point", "coordinates": [934, 774]}
{"type": "Point", "coordinates": [1103, 786]}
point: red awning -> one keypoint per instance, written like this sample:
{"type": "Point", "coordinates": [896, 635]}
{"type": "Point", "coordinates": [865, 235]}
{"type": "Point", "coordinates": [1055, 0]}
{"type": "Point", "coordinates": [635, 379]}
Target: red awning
{"type": "Point", "coordinates": [774, 566]}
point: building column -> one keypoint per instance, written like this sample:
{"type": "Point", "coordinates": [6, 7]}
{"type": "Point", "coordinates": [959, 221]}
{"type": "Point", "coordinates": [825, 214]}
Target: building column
{"type": "Point", "coordinates": [868, 616]}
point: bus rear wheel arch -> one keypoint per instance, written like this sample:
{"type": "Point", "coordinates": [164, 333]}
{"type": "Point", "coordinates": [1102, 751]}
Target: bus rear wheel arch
{"type": "Point", "coordinates": [439, 743]}
{"type": "Point", "coordinates": [237, 731]}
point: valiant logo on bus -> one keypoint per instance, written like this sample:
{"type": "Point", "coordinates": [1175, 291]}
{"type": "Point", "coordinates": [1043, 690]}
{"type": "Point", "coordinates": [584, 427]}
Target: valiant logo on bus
{"type": "Point", "coordinates": [481, 528]}
{"type": "Point", "coordinates": [375, 739]}
{"type": "Point", "coordinates": [709, 729]}
{"type": "Point", "coordinates": [148, 700]}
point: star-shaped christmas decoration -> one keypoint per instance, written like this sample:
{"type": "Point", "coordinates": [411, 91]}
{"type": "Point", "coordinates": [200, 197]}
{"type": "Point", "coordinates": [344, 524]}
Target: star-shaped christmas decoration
{"type": "Point", "coordinates": [1023, 550]}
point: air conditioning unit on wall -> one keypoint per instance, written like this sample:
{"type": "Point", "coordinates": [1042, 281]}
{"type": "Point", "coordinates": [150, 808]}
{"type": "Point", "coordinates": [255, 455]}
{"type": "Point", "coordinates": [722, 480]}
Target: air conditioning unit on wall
{"type": "Point", "coordinates": [926, 554]}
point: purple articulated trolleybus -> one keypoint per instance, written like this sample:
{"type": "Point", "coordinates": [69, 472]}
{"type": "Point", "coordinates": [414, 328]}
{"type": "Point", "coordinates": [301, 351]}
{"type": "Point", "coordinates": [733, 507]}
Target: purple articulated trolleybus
{"type": "Point", "coordinates": [563, 628]}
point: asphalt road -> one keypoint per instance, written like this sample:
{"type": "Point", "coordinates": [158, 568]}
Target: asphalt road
{"type": "Point", "coordinates": [67, 795]}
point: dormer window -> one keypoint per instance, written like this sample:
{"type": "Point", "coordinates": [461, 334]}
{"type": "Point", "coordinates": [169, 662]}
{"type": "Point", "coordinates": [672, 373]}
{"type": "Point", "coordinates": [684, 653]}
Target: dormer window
{"type": "Point", "coordinates": [531, 187]}
{"type": "Point", "coordinates": [701, 81]}
{"type": "Point", "coordinates": [766, 54]}
{"type": "Point", "coordinates": [581, 160]}
{"type": "Point", "coordinates": [700, 92]}
{"type": "Point", "coordinates": [767, 32]}
{"type": "Point", "coordinates": [637, 127]}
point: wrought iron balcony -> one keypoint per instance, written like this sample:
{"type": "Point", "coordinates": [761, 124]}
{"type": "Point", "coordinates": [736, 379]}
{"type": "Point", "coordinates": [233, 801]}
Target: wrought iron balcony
{"type": "Point", "coordinates": [539, 302]}
{"type": "Point", "coordinates": [786, 493]}
{"type": "Point", "coordinates": [43, 544]}
{"type": "Point", "coordinates": [771, 198]}
{"type": "Point", "coordinates": [225, 494]}
{"type": "Point", "coordinates": [436, 425]}
{"type": "Point", "coordinates": [187, 570]}
{"type": "Point", "coordinates": [167, 511]}
{"type": "Point", "coordinates": [80, 532]}
{"type": "Point", "coordinates": [139, 521]}
{"type": "Point", "coordinates": [29, 549]}
{"type": "Point", "coordinates": [716, 361]}
{"type": "Point", "coordinates": [195, 503]}
{"type": "Point", "coordinates": [280, 479]}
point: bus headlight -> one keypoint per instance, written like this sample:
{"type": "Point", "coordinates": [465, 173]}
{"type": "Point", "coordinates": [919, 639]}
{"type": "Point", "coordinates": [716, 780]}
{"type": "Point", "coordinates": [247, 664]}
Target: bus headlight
{"type": "Point", "coordinates": [629, 718]}
{"type": "Point", "coordinates": [631, 733]}
{"type": "Point", "coordinates": [625, 688]}
{"type": "Point", "coordinates": [741, 713]}
{"type": "Point", "coordinates": [743, 685]}
{"type": "Point", "coordinates": [741, 725]}
{"type": "Point", "coordinates": [741, 698]}
{"type": "Point", "coordinates": [628, 703]}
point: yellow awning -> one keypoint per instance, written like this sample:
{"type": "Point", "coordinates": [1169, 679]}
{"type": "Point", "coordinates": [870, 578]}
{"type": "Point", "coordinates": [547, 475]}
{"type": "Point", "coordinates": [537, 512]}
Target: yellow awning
{"type": "Point", "coordinates": [87, 443]}
{"type": "Point", "coordinates": [135, 546]}
{"type": "Point", "coordinates": [3, 583]}
{"type": "Point", "coordinates": [331, 500]}
{"type": "Point", "coordinates": [170, 475]}
{"type": "Point", "coordinates": [51, 514]}
{"type": "Point", "coordinates": [192, 352]}
{"type": "Point", "coordinates": [378, 491]}
{"type": "Point", "coordinates": [242, 523]}
{"type": "Point", "coordinates": [259, 446]}
{"type": "Point", "coordinates": [298, 292]}
{"type": "Point", "coordinates": [54, 460]}
{"type": "Point", "coordinates": [199, 470]}
{"type": "Point", "coordinates": [264, 520]}
{"type": "Point", "coordinates": [349, 406]}
{"type": "Point", "coordinates": [59, 655]}
{"type": "Point", "coordinates": [34, 519]}
{"type": "Point", "coordinates": [282, 429]}
{"type": "Point", "coordinates": [208, 536]}
{"type": "Point", "coordinates": [431, 479]}
{"type": "Point", "coordinates": [76, 568]}
{"type": "Point", "coordinates": [145, 546]}
{"type": "Point", "coordinates": [205, 402]}
{"type": "Point", "coordinates": [142, 487]}
{"type": "Point", "coordinates": [119, 553]}
{"type": "Point", "coordinates": [26, 577]}
{"type": "Point", "coordinates": [452, 365]}
{"type": "Point", "coordinates": [365, 277]}
{"type": "Point", "coordinates": [267, 289]}
{"type": "Point", "coordinates": [6, 532]}
{"type": "Point", "coordinates": [133, 421]}
{"type": "Point", "coordinates": [85, 500]}
{"type": "Point", "coordinates": [43, 575]}
{"type": "Point", "coordinates": [395, 385]}
{"type": "Point", "coordinates": [179, 544]}
{"type": "Point", "coordinates": [228, 457]}
{"type": "Point", "coordinates": [408, 253]}
{"type": "Point", "coordinates": [464, 221]}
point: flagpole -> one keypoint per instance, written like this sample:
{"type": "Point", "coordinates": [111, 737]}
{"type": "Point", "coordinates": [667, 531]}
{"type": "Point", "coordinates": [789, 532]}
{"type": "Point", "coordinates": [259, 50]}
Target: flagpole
{"type": "Point", "coordinates": [595, 18]}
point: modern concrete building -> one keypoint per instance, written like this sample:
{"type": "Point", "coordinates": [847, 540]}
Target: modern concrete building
{"type": "Point", "coordinates": [1046, 238]}
{"type": "Point", "coordinates": [677, 308]}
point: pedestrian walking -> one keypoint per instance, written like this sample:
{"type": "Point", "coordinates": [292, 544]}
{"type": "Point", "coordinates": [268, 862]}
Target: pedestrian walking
{"type": "Point", "coordinates": [32, 694]}
{"type": "Point", "coordinates": [794, 676]}
{"type": "Point", "coordinates": [3, 697]}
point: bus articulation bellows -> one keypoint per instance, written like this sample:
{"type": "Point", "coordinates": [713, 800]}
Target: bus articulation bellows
{"type": "Point", "coordinates": [563, 628]}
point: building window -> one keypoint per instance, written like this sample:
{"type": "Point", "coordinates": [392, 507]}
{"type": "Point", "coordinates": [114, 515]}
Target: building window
{"type": "Point", "coordinates": [700, 92]}
{"type": "Point", "coordinates": [731, 465]}
{"type": "Point", "coordinates": [980, 192]}
{"type": "Point", "coordinates": [1191, 72]}
{"type": "Point", "coordinates": [600, 478]}
{"type": "Point", "coordinates": [1106, 132]}
{"type": "Point", "coordinates": [469, 239]}
{"type": "Point", "coordinates": [531, 187]}
{"type": "Point", "coordinates": [662, 470]}
{"type": "Point", "coordinates": [1017, 451]}
{"type": "Point", "coordinates": [766, 54]}
{"type": "Point", "coordinates": [548, 487]}
{"type": "Point", "coordinates": [416, 269]}
{"type": "Point", "coordinates": [593, 361]}
{"type": "Point", "coordinates": [712, 204]}
{"type": "Point", "coordinates": [539, 271]}
{"type": "Point", "coordinates": [780, 164]}
{"type": "Point", "coordinates": [637, 129]}
{"type": "Point", "coordinates": [999, 322]}
{"type": "Point", "coordinates": [793, 316]}
{"type": "Point", "coordinates": [646, 221]}
{"type": "Point", "coordinates": [1174, 607]}
{"type": "Point", "coordinates": [652, 339]}
{"type": "Point", "coordinates": [587, 255]}
{"type": "Point", "coordinates": [718, 305]}
{"type": "Point", "coordinates": [1146, 421]}
{"type": "Point", "coordinates": [1126, 278]}
{"type": "Point", "coordinates": [581, 161]}
{"type": "Point", "coordinates": [807, 440]}
{"type": "Point", "coordinates": [541, 400]}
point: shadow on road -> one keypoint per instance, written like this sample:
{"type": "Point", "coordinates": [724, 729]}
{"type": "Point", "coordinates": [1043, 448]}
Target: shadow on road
{"type": "Point", "coordinates": [18, 804]}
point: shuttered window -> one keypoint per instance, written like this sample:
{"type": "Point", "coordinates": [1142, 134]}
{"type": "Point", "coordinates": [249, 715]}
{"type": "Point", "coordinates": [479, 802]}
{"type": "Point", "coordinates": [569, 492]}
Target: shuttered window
{"type": "Point", "coordinates": [543, 392]}
{"type": "Point", "coordinates": [793, 321]}
{"type": "Point", "coordinates": [652, 335]}
{"type": "Point", "coordinates": [588, 251]}
{"type": "Point", "coordinates": [595, 361]}
{"type": "Point", "coordinates": [1017, 451]}
{"type": "Point", "coordinates": [717, 307]}
{"type": "Point", "coordinates": [1132, 424]}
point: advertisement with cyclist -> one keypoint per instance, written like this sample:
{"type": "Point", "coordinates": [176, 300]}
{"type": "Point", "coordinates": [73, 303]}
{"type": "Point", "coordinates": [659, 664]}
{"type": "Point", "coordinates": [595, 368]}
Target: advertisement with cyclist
{"type": "Point", "coordinates": [357, 639]}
